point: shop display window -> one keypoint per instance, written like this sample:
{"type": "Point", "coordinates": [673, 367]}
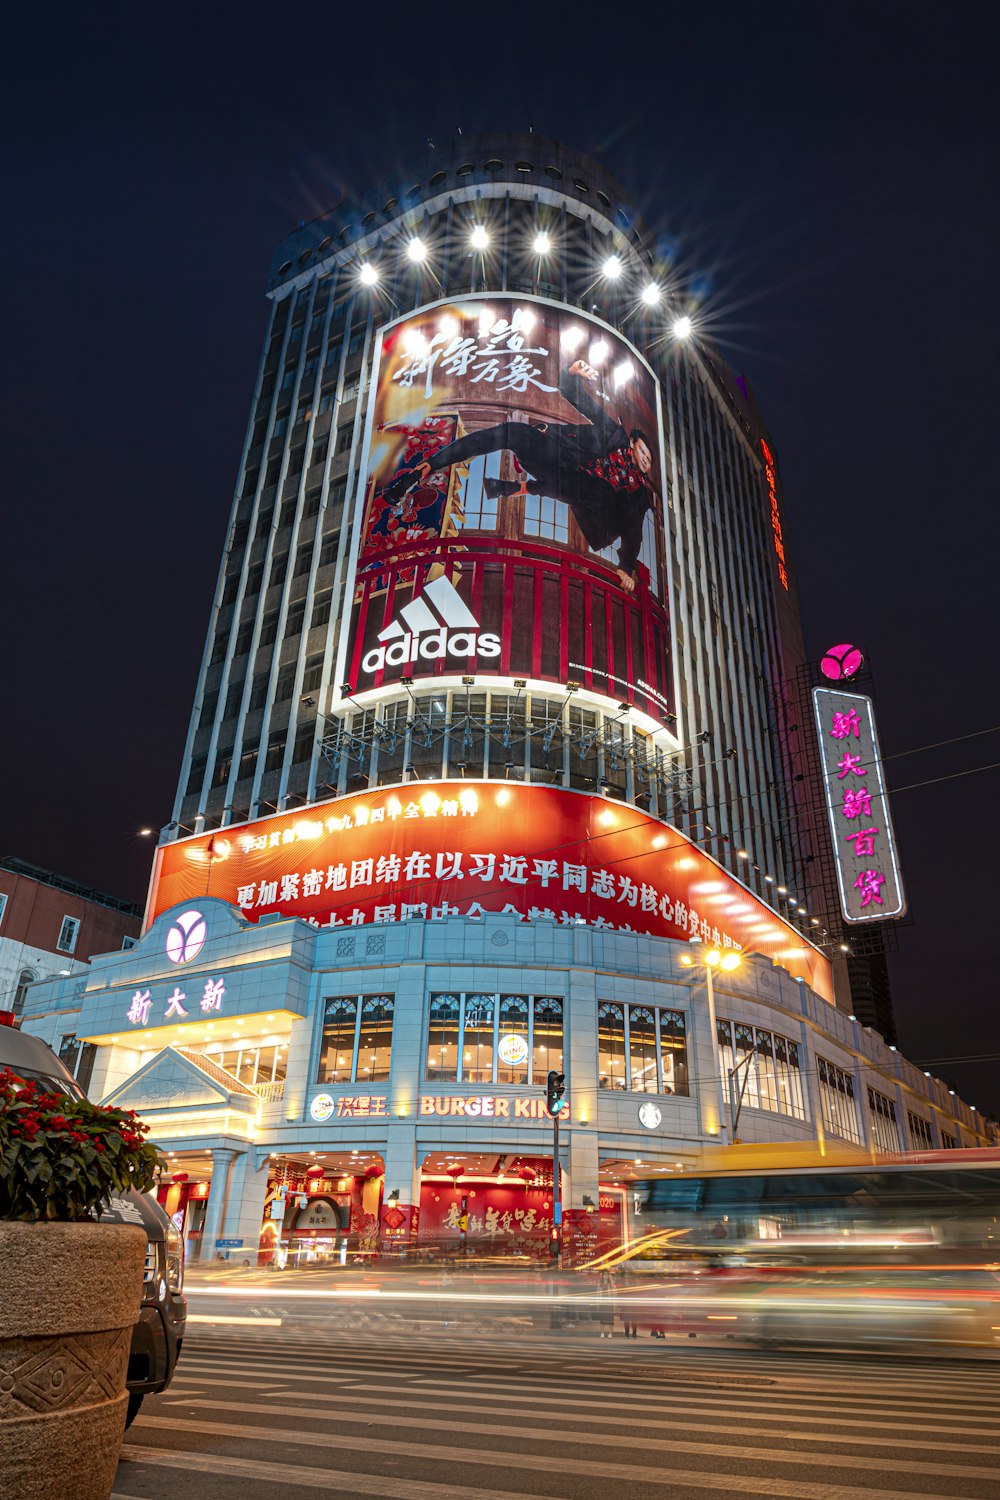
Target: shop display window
{"type": "Point", "coordinates": [641, 1048]}
{"type": "Point", "coordinates": [477, 1038]}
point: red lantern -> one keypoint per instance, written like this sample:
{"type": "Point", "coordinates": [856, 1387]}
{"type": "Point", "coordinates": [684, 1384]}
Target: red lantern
{"type": "Point", "coordinates": [372, 1172]}
{"type": "Point", "coordinates": [315, 1172]}
{"type": "Point", "coordinates": [527, 1174]}
{"type": "Point", "coordinates": [455, 1172]}
{"type": "Point", "coordinates": [179, 1177]}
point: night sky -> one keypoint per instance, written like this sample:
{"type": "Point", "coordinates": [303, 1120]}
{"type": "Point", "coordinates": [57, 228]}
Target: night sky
{"type": "Point", "coordinates": [829, 184]}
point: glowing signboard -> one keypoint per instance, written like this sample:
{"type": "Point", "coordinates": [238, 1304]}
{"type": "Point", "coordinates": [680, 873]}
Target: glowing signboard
{"type": "Point", "coordinates": [177, 1004]}
{"type": "Point", "coordinates": [471, 849]}
{"type": "Point", "coordinates": [864, 847]}
{"type": "Point", "coordinates": [772, 495]}
{"type": "Point", "coordinates": [512, 472]}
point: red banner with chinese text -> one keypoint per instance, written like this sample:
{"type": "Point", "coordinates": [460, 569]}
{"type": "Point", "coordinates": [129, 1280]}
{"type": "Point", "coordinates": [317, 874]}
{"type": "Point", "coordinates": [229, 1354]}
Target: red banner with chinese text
{"type": "Point", "coordinates": [470, 848]}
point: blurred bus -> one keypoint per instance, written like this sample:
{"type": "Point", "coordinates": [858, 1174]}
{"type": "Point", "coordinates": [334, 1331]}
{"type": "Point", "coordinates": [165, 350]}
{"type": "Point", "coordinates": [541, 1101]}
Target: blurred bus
{"type": "Point", "coordinates": [905, 1248]}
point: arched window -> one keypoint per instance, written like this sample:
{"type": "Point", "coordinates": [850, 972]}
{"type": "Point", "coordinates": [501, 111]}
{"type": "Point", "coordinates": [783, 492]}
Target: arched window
{"type": "Point", "coordinates": [26, 977]}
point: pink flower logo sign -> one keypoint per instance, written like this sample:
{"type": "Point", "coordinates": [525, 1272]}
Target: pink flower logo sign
{"type": "Point", "coordinates": [186, 937]}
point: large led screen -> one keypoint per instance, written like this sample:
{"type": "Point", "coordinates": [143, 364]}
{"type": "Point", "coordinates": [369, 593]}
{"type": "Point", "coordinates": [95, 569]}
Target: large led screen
{"type": "Point", "coordinates": [511, 519]}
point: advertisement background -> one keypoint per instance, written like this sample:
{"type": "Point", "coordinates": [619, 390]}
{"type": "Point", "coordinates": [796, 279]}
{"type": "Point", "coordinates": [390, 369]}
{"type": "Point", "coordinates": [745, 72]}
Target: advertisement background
{"type": "Point", "coordinates": [532, 850]}
{"type": "Point", "coordinates": [458, 370]}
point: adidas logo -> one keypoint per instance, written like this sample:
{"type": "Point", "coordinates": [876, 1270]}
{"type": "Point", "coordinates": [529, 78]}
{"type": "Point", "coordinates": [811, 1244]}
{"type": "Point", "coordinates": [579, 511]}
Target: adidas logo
{"type": "Point", "coordinates": [452, 631]}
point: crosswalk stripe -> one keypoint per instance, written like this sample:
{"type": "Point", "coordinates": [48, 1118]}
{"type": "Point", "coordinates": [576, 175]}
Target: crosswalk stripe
{"type": "Point", "coordinates": [743, 1484]}
{"type": "Point", "coordinates": [645, 1423]}
{"type": "Point", "coordinates": [285, 1475]}
{"type": "Point", "coordinates": [674, 1444]}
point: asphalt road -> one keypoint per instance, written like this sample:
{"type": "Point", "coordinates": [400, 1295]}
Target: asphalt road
{"type": "Point", "coordinates": [356, 1402]}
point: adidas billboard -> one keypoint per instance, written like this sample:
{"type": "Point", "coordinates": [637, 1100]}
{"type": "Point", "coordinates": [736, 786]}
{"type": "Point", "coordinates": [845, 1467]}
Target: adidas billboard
{"type": "Point", "coordinates": [427, 636]}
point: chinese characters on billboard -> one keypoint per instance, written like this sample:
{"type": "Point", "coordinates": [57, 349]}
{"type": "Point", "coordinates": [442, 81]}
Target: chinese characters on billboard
{"type": "Point", "coordinates": [473, 848]}
{"type": "Point", "coordinates": [864, 848]}
{"type": "Point", "coordinates": [511, 523]}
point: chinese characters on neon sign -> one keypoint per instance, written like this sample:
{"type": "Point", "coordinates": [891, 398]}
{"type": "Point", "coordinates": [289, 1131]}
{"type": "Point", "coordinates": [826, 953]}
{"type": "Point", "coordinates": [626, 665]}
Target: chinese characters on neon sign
{"type": "Point", "coordinates": [864, 846]}
{"type": "Point", "coordinates": [772, 495]}
{"type": "Point", "coordinates": [176, 1005]}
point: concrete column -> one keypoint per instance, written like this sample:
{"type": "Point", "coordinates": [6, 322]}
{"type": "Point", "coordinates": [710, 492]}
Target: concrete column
{"type": "Point", "coordinates": [222, 1162]}
{"type": "Point", "coordinates": [244, 1210]}
{"type": "Point", "coordinates": [402, 1176]}
{"type": "Point", "coordinates": [703, 1062]}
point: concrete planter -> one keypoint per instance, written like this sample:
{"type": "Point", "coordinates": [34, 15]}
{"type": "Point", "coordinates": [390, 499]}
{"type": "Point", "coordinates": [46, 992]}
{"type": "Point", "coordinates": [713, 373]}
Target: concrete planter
{"type": "Point", "coordinates": [69, 1297]}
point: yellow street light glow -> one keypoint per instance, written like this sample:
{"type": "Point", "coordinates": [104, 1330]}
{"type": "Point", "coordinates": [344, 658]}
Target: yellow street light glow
{"type": "Point", "coordinates": [541, 244]}
{"type": "Point", "coordinates": [368, 275]}
{"type": "Point", "coordinates": [416, 249]}
{"type": "Point", "coordinates": [683, 328]}
{"type": "Point", "coordinates": [479, 239]}
{"type": "Point", "coordinates": [713, 958]}
{"type": "Point", "coordinates": [731, 961]}
{"type": "Point", "coordinates": [651, 294]}
{"type": "Point", "coordinates": [686, 960]}
{"type": "Point", "coordinates": [612, 267]}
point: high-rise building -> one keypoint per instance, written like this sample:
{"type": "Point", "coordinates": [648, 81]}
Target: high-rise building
{"type": "Point", "coordinates": [271, 728]}
{"type": "Point", "coordinates": [498, 716]}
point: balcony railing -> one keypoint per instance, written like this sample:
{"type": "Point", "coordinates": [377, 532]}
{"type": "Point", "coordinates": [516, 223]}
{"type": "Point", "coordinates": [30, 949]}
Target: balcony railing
{"type": "Point", "coordinates": [270, 1093]}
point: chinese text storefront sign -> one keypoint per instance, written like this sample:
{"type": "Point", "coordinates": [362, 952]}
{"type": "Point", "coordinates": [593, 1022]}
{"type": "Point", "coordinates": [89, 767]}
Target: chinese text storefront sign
{"type": "Point", "coordinates": [472, 849]}
{"type": "Point", "coordinates": [864, 846]}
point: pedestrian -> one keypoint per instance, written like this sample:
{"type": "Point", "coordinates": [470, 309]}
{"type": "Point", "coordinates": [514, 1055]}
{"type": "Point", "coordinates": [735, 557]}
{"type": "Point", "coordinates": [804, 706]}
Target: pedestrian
{"type": "Point", "coordinates": [627, 1303]}
{"type": "Point", "coordinates": [606, 1304]}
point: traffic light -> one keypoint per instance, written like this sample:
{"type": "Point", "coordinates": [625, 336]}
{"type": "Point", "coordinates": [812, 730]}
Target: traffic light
{"type": "Point", "coordinates": [555, 1092]}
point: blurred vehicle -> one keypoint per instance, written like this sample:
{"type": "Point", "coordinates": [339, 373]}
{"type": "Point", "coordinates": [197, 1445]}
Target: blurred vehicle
{"type": "Point", "coordinates": [159, 1329]}
{"type": "Point", "coordinates": [905, 1249]}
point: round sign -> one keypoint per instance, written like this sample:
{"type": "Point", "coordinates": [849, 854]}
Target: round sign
{"type": "Point", "coordinates": [841, 663]}
{"type": "Point", "coordinates": [322, 1107]}
{"type": "Point", "coordinates": [186, 937]}
{"type": "Point", "coordinates": [649, 1115]}
{"type": "Point", "coordinates": [513, 1049]}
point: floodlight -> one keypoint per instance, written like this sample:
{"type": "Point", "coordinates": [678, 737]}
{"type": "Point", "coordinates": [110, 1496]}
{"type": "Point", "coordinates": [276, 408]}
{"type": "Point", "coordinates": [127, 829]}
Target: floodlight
{"type": "Point", "coordinates": [416, 249]}
{"type": "Point", "coordinates": [368, 275]}
{"type": "Point", "coordinates": [479, 239]}
{"type": "Point", "coordinates": [683, 328]}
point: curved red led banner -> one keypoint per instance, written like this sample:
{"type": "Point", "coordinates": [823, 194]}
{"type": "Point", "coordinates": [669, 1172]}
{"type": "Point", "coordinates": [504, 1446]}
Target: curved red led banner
{"type": "Point", "coordinates": [470, 848]}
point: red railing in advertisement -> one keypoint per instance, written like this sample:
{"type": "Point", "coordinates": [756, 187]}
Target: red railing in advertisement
{"type": "Point", "coordinates": [559, 619]}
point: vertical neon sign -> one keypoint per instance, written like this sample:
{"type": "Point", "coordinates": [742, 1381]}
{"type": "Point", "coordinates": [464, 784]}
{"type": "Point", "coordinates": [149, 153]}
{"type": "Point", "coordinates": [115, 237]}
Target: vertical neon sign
{"type": "Point", "coordinates": [772, 495]}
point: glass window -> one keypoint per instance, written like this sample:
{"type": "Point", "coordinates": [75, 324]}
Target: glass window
{"type": "Point", "coordinates": [547, 1049]}
{"type": "Point", "coordinates": [513, 1023]}
{"type": "Point", "coordinates": [642, 1050]}
{"type": "Point", "coordinates": [760, 1068]}
{"type": "Point", "coordinates": [673, 1052]}
{"type": "Point", "coordinates": [885, 1131]}
{"type": "Point", "coordinates": [68, 934]}
{"type": "Point", "coordinates": [921, 1138]}
{"type": "Point", "coordinates": [375, 1038]}
{"type": "Point", "coordinates": [611, 1046]}
{"type": "Point", "coordinates": [477, 1042]}
{"type": "Point", "coordinates": [3, 904]}
{"type": "Point", "coordinates": [442, 1038]}
{"type": "Point", "coordinates": [339, 1029]}
{"type": "Point", "coordinates": [836, 1096]}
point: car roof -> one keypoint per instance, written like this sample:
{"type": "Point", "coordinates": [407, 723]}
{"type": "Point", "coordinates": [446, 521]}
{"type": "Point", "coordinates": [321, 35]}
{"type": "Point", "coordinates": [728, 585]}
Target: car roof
{"type": "Point", "coordinates": [19, 1049]}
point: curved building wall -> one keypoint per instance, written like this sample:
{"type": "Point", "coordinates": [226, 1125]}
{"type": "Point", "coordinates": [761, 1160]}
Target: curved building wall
{"type": "Point", "coordinates": [383, 1058]}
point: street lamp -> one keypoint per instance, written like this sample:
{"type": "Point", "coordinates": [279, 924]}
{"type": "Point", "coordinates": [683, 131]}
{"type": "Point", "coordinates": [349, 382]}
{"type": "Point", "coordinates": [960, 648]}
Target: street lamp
{"type": "Point", "coordinates": [711, 959]}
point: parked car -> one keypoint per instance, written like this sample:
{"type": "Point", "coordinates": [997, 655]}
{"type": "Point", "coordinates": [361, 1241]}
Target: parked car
{"type": "Point", "coordinates": [159, 1329]}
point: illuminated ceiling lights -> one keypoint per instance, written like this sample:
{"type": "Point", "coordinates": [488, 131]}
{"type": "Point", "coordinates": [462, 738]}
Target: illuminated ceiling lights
{"type": "Point", "coordinates": [651, 294]}
{"type": "Point", "coordinates": [479, 239]}
{"type": "Point", "coordinates": [416, 250]}
{"type": "Point", "coordinates": [541, 244]}
{"type": "Point", "coordinates": [683, 327]}
{"type": "Point", "coordinates": [612, 268]}
{"type": "Point", "coordinates": [368, 275]}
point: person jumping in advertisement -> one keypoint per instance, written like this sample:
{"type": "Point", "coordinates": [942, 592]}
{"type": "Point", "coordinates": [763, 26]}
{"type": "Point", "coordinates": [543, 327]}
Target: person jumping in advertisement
{"type": "Point", "coordinates": [598, 468]}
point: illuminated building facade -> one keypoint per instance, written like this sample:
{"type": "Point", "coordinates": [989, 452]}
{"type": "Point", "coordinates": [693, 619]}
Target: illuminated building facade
{"type": "Point", "coordinates": [493, 742]}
